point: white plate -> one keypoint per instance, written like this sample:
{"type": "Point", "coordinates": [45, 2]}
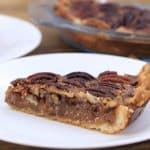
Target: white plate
{"type": "Point", "coordinates": [26, 129]}
{"type": "Point", "coordinates": [17, 37]}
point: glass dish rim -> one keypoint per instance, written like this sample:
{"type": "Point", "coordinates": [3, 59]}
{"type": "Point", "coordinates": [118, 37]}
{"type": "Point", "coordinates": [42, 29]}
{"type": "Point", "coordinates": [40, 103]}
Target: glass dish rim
{"type": "Point", "coordinates": [52, 19]}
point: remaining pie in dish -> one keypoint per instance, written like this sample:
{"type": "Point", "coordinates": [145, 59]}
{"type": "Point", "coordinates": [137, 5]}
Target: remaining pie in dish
{"type": "Point", "coordinates": [105, 16]}
{"type": "Point", "coordinates": [108, 103]}
{"type": "Point", "coordinates": [126, 33]}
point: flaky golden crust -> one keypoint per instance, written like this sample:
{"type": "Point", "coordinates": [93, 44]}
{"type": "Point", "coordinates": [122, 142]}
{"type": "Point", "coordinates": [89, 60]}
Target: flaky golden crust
{"type": "Point", "coordinates": [123, 113]}
{"type": "Point", "coordinates": [142, 92]}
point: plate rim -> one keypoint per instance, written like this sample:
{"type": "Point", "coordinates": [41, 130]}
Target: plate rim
{"type": "Point", "coordinates": [133, 140]}
{"type": "Point", "coordinates": [126, 143]}
{"type": "Point", "coordinates": [72, 53]}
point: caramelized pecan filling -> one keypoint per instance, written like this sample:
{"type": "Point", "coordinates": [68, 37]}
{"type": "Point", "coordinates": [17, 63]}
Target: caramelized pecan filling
{"type": "Point", "coordinates": [107, 84]}
{"type": "Point", "coordinates": [34, 91]}
{"type": "Point", "coordinates": [76, 109]}
{"type": "Point", "coordinates": [43, 78]}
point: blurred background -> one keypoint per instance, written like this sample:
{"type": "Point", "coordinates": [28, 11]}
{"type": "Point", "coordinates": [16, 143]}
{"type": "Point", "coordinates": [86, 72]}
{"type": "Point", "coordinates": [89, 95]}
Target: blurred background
{"type": "Point", "coordinates": [51, 41]}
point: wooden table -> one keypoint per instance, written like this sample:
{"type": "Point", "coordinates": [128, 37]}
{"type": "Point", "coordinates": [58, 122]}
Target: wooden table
{"type": "Point", "coordinates": [51, 43]}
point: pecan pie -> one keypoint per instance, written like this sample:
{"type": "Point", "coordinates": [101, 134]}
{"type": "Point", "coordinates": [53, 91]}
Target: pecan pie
{"type": "Point", "coordinates": [107, 103]}
{"type": "Point", "coordinates": [105, 16]}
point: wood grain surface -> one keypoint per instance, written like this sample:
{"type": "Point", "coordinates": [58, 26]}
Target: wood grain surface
{"type": "Point", "coordinates": [50, 43]}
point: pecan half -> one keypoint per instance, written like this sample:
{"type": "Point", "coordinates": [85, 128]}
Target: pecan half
{"type": "Point", "coordinates": [43, 77]}
{"type": "Point", "coordinates": [75, 82]}
{"type": "Point", "coordinates": [103, 91]}
{"type": "Point", "coordinates": [80, 75]}
{"type": "Point", "coordinates": [78, 79]}
{"type": "Point", "coordinates": [113, 77]}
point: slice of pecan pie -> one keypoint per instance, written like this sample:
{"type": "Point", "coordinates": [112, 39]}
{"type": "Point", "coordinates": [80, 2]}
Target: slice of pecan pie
{"type": "Point", "coordinates": [107, 103]}
{"type": "Point", "coordinates": [104, 16]}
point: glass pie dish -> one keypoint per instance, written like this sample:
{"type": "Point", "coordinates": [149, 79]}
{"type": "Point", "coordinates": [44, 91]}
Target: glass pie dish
{"type": "Point", "coordinates": [93, 39]}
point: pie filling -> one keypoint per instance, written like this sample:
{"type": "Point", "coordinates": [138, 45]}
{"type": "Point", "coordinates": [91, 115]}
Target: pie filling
{"type": "Point", "coordinates": [112, 14]}
{"type": "Point", "coordinates": [77, 96]}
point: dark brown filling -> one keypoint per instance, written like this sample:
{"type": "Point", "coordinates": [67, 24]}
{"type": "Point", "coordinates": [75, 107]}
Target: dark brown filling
{"type": "Point", "coordinates": [61, 106]}
{"type": "Point", "coordinates": [78, 110]}
{"type": "Point", "coordinates": [113, 14]}
{"type": "Point", "coordinates": [106, 85]}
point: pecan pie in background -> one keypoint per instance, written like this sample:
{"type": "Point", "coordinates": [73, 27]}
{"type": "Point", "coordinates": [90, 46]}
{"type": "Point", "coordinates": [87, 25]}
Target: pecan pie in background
{"type": "Point", "coordinates": [107, 103]}
{"type": "Point", "coordinates": [109, 16]}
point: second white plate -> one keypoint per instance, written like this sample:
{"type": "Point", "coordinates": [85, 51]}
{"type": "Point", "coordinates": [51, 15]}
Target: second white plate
{"type": "Point", "coordinates": [17, 37]}
{"type": "Point", "coordinates": [26, 129]}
